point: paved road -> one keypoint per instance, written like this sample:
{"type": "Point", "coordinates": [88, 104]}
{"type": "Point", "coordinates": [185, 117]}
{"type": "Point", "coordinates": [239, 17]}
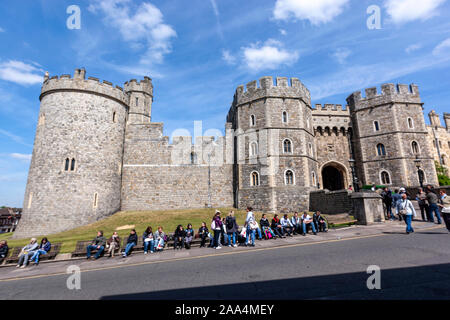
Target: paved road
{"type": "Point", "coordinates": [415, 266]}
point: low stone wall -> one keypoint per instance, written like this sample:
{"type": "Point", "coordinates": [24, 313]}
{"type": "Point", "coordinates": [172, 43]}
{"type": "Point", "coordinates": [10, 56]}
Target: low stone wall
{"type": "Point", "coordinates": [330, 202]}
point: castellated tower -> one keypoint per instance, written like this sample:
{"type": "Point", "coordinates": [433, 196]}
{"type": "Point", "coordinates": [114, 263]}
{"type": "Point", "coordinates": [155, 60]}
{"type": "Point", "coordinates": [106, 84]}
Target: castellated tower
{"type": "Point", "coordinates": [141, 99]}
{"type": "Point", "coordinates": [75, 172]}
{"type": "Point", "coordinates": [275, 158]}
{"type": "Point", "coordinates": [390, 137]}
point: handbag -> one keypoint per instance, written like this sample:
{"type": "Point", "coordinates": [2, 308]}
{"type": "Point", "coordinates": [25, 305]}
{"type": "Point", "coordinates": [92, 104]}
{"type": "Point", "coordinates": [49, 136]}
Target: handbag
{"type": "Point", "coordinates": [446, 210]}
{"type": "Point", "coordinates": [253, 225]}
{"type": "Point", "coordinates": [244, 232]}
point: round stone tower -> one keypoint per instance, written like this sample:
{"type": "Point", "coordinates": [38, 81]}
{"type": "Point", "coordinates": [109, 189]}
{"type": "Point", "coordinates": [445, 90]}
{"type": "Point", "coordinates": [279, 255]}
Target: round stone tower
{"type": "Point", "coordinates": [76, 166]}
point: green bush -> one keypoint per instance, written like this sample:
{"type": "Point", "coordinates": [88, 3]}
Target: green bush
{"type": "Point", "coordinates": [443, 180]}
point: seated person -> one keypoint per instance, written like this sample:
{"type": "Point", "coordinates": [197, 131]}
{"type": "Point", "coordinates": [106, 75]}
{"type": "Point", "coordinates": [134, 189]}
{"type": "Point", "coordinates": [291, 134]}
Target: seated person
{"type": "Point", "coordinates": [160, 239]}
{"type": "Point", "coordinates": [113, 243]}
{"type": "Point", "coordinates": [203, 234]}
{"type": "Point", "coordinates": [276, 226]}
{"type": "Point", "coordinates": [307, 221]}
{"type": "Point", "coordinates": [287, 225]}
{"type": "Point", "coordinates": [319, 222]}
{"type": "Point", "coordinates": [296, 223]}
{"type": "Point", "coordinates": [98, 244]}
{"type": "Point", "coordinates": [131, 242]}
{"type": "Point", "coordinates": [44, 248]}
{"type": "Point", "coordinates": [189, 236]}
{"type": "Point", "coordinates": [3, 250]}
{"type": "Point", "coordinates": [178, 237]}
{"type": "Point", "coordinates": [265, 226]}
{"type": "Point", "coordinates": [149, 241]}
{"type": "Point", "coordinates": [26, 253]}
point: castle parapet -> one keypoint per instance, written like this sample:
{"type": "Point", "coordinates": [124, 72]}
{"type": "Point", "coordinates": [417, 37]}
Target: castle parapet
{"type": "Point", "coordinates": [144, 86]}
{"type": "Point", "coordinates": [330, 110]}
{"type": "Point", "coordinates": [80, 84]}
{"type": "Point", "coordinates": [266, 89]}
{"type": "Point", "coordinates": [390, 93]}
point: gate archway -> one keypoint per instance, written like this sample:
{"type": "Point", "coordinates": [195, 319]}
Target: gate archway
{"type": "Point", "coordinates": [333, 176]}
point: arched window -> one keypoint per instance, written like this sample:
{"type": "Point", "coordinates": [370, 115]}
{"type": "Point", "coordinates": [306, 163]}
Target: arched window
{"type": "Point", "coordinates": [66, 165]}
{"type": "Point", "coordinates": [443, 160]}
{"type": "Point", "coordinates": [289, 177]}
{"type": "Point", "coordinates": [287, 146]}
{"type": "Point", "coordinates": [415, 147]}
{"type": "Point", "coordinates": [313, 179]}
{"type": "Point", "coordinates": [193, 158]}
{"type": "Point", "coordinates": [381, 150]}
{"type": "Point", "coordinates": [421, 175]}
{"type": "Point", "coordinates": [410, 123]}
{"type": "Point", "coordinates": [285, 117]}
{"type": "Point", "coordinates": [137, 102]}
{"type": "Point", "coordinates": [385, 178]}
{"type": "Point", "coordinates": [253, 149]}
{"type": "Point", "coordinates": [72, 165]}
{"type": "Point", "coordinates": [254, 179]}
{"type": "Point", "coordinates": [252, 120]}
{"type": "Point", "coordinates": [114, 117]}
{"type": "Point", "coordinates": [376, 126]}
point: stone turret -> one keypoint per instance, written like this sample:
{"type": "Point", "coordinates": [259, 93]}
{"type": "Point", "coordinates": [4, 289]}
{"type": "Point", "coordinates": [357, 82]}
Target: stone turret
{"type": "Point", "coordinates": [141, 99]}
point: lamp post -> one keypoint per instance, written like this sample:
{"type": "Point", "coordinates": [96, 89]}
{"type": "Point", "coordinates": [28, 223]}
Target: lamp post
{"type": "Point", "coordinates": [354, 177]}
{"type": "Point", "coordinates": [419, 173]}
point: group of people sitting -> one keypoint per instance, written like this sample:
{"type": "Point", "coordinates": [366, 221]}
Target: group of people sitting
{"type": "Point", "coordinates": [32, 251]}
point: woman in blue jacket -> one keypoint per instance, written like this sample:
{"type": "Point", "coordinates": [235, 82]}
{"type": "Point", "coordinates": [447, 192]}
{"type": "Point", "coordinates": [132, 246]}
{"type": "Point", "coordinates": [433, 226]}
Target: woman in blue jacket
{"type": "Point", "coordinates": [44, 248]}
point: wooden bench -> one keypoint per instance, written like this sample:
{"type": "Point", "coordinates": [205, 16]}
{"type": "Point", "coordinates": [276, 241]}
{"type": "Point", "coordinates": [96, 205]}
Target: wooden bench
{"type": "Point", "coordinates": [13, 256]}
{"type": "Point", "coordinates": [80, 249]}
{"type": "Point", "coordinates": [54, 250]}
{"type": "Point", "coordinates": [138, 247]}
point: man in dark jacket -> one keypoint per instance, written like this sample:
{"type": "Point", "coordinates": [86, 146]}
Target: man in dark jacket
{"type": "Point", "coordinates": [433, 200]}
{"type": "Point", "coordinates": [98, 244]}
{"type": "Point", "coordinates": [387, 200]}
{"type": "Point", "coordinates": [131, 242]}
{"type": "Point", "coordinates": [3, 250]}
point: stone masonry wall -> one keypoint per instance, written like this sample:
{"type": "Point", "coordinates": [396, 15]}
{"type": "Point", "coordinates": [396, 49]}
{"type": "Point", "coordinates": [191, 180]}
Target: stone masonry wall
{"type": "Point", "coordinates": [330, 202]}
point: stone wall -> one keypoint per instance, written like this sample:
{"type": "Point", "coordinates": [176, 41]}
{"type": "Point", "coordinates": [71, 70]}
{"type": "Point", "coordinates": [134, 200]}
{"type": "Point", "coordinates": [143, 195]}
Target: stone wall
{"type": "Point", "coordinates": [330, 202]}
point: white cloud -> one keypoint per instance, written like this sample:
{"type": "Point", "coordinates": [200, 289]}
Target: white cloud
{"type": "Point", "coordinates": [442, 47]}
{"type": "Point", "coordinates": [20, 72]}
{"type": "Point", "coordinates": [269, 55]}
{"type": "Point", "coordinates": [228, 57]}
{"type": "Point", "coordinates": [316, 11]}
{"type": "Point", "coordinates": [14, 137]}
{"type": "Point", "coordinates": [413, 47]}
{"type": "Point", "coordinates": [143, 27]}
{"type": "Point", "coordinates": [341, 54]}
{"type": "Point", "coordinates": [21, 156]}
{"type": "Point", "coordinates": [283, 32]}
{"type": "Point", "coordinates": [402, 11]}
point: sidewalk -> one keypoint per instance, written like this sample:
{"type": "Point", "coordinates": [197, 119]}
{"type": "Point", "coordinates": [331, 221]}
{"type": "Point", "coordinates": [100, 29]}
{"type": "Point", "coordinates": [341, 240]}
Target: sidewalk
{"type": "Point", "coordinates": [47, 268]}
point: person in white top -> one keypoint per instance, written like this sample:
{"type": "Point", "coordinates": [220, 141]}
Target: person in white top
{"type": "Point", "coordinates": [405, 208]}
{"type": "Point", "coordinates": [287, 225]}
{"type": "Point", "coordinates": [306, 220]}
{"type": "Point", "coordinates": [251, 225]}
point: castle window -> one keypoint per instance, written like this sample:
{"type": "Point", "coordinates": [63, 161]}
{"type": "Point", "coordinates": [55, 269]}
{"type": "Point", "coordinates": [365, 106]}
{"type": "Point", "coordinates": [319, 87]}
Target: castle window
{"type": "Point", "coordinates": [41, 120]}
{"type": "Point", "coordinates": [313, 180]}
{"type": "Point", "coordinates": [421, 175]}
{"type": "Point", "coordinates": [254, 181]}
{"type": "Point", "coordinates": [415, 147]}
{"type": "Point", "coordinates": [253, 149]}
{"type": "Point", "coordinates": [443, 160]}
{"type": "Point", "coordinates": [376, 126]}
{"type": "Point", "coordinates": [66, 165]}
{"type": "Point", "coordinates": [285, 117]}
{"type": "Point", "coordinates": [137, 102]}
{"type": "Point", "coordinates": [440, 144]}
{"type": "Point", "coordinates": [385, 178]}
{"type": "Point", "coordinates": [95, 203]}
{"type": "Point", "coordinates": [311, 153]}
{"type": "Point", "coordinates": [114, 117]}
{"type": "Point", "coordinates": [410, 123]}
{"type": "Point", "coordinates": [287, 146]}
{"type": "Point", "coordinates": [252, 120]}
{"type": "Point", "coordinates": [72, 165]}
{"type": "Point", "coordinates": [381, 150]}
{"type": "Point", "coordinates": [193, 158]}
{"type": "Point", "coordinates": [289, 177]}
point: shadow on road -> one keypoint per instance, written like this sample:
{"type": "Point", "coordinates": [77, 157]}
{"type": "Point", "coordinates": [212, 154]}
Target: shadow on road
{"type": "Point", "coordinates": [425, 282]}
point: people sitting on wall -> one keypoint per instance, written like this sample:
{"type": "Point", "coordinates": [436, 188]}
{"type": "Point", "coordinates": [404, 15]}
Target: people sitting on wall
{"type": "Point", "coordinates": [131, 243]}
{"type": "Point", "coordinates": [3, 250]}
{"type": "Point", "coordinates": [203, 234]}
{"type": "Point", "coordinates": [112, 243]}
{"type": "Point", "coordinates": [178, 237]}
{"type": "Point", "coordinates": [98, 244]}
{"type": "Point", "coordinates": [160, 239]}
{"type": "Point", "coordinates": [266, 229]}
{"type": "Point", "coordinates": [276, 226]}
{"type": "Point", "coordinates": [232, 228]}
{"type": "Point", "coordinates": [26, 253]}
{"type": "Point", "coordinates": [307, 222]}
{"type": "Point", "coordinates": [296, 223]}
{"type": "Point", "coordinates": [320, 222]}
{"type": "Point", "coordinates": [189, 236]}
{"type": "Point", "coordinates": [44, 248]}
{"type": "Point", "coordinates": [287, 225]}
{"type": "Point", "coordinates": [149, 241]}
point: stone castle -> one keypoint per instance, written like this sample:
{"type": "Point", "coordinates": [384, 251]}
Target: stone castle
{"type": "Point", "coordinates": [96, 150]}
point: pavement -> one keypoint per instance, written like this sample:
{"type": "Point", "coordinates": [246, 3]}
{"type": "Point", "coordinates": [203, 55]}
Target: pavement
{"type": "Point", "coordinates": [332, 259]}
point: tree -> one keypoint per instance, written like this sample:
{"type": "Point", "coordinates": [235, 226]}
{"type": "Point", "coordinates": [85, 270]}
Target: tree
{"type": "Point", "coordinates": [442, 174]}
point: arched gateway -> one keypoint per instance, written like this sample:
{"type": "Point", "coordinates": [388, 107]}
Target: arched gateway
{"type": "Point", "coordinates": [333, 176]}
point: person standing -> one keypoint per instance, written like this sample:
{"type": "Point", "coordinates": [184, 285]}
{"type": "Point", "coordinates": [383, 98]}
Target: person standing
{"type": "Point", "coordinates": [98, 244]}
{"type": "Point", "coordinates": [216, 226]}
{"type": "Point", "coordinates": [445, 208]}
{"type": "Point", "coordinates": [232, 228]}
{"type": "Point", "coordinates": [251, 225]}
{"type": "Point", "coordinates": [387, 201]}
{"type": "Point", "coordinates": [421, 198]}
{"type": "Point", "coordinates": [433, 200]}
{"type": "Point", "coordinates": [396, 197]}
{"type": "Point", "coordinates": [406, 209]}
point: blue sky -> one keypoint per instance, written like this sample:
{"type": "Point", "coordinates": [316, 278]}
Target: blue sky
{"type": "Point", "coordinates": [198, 51]}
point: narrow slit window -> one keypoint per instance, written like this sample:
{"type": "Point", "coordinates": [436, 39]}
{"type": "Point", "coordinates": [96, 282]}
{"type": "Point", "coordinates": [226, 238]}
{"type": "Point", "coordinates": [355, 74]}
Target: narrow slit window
{"type": "Point", "coordinates": [72, 165]}
{"type": "Point", "coordinates": [66, 165]}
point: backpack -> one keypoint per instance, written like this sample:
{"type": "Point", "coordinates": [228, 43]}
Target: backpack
{"type": "Point", "coordinates": [230, 223]}
{"type": "Point", "coordinates": [267, 234]}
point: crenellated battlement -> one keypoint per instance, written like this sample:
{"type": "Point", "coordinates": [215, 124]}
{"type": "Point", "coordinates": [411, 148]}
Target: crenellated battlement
{"type": "Point", "coordinates": [79, 83]}
{"type": "Point", "coordinates": [330, 109]}
{"type": "Point", "coordinates": [283, 88]}
{"type": "Point", "coordinates": [144, 86]}
{"type": "Point", "coordinates": [390, 93]}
